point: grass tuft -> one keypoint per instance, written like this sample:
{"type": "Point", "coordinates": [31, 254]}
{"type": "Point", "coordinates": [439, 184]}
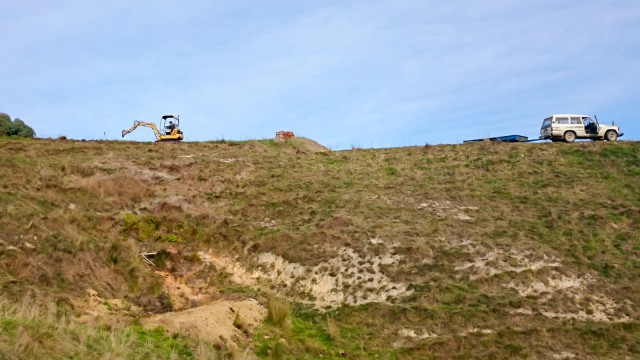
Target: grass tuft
{"type": "Point", "coordinates": [279, 311]}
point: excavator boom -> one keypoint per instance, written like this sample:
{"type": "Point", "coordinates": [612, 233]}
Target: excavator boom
{"type": "Point", "coordinates": [140, 123]}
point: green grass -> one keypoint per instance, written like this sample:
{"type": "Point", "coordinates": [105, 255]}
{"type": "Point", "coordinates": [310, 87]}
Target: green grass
{"type": "Point", "coordinates": [28, 333]}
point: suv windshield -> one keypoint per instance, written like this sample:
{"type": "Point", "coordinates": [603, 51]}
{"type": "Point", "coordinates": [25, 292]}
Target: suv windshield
{"type": "Point", "coordinates": [546, 123]}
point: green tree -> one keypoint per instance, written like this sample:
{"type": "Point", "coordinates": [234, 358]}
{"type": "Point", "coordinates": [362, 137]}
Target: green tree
{"type": "Point", "coordinates": [5, 123]}
{"type": "Point", "coordinates": [16, 127]}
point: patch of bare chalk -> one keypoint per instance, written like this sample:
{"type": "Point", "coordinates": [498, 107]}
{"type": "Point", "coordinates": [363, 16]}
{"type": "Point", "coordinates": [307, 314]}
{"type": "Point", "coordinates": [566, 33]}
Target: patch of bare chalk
{"type": "Point", "coordinates": [349, 278]}
{"type": "Point", "coordinates": [411, 335]}
{"type": "Point", "coordinates": [600, 308]}
{"type": "Point", "coordinates": [446, 208]}
{"type": "Point", "coordinates": [497, 261]}
{"type": "Point", "coordinates": [239, 274]}
{"type": "Point", "coordinates": [582, 304]}
{"type": "Point", "coordinates": [564, 355]}
{"type": "Point", "coordinates": [573, 284]}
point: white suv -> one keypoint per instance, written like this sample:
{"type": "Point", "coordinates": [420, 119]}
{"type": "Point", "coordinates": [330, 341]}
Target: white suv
{"type": "Point", "coordinates": [569, 127]}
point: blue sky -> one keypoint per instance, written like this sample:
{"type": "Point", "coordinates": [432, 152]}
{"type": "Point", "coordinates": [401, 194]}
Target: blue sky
{"type": "Point", "coordinates": [344, 73]}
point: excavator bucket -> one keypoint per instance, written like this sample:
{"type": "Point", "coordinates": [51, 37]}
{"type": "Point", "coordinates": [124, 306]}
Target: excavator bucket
{"type": "Point", "coordinates": [135, 126]}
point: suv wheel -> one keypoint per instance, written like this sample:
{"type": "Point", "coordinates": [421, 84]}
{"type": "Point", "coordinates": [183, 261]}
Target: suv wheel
{"type": "Point", "coordinates": [611, 135]}
{"type": "Point", "coordinates": [569, 136]}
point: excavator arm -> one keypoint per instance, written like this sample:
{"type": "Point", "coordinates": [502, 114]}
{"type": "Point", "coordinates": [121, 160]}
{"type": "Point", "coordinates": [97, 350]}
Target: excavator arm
{"type": "Point", "coordinates": [146, 124]}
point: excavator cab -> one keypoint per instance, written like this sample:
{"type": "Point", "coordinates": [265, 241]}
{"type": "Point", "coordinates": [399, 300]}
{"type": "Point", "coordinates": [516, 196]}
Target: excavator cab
{"type": "Point", "coordinates": [170, 123]}
{"type": "Point", "coordinates": [168, 131]}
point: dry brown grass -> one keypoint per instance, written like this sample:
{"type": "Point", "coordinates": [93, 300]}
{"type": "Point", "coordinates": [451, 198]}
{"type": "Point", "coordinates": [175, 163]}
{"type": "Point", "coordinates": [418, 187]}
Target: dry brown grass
{"type": "Point", "coordinates": [279, 311]}
{"type": "Point", "coordinates": [332, 329]}
{"type": "Point", "coordinates": [124, 187]}
{"type": "Point", "coordinates": [35, 330]}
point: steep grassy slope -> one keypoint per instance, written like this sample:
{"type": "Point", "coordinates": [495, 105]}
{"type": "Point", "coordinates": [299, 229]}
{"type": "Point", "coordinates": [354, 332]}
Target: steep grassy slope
{"type": "Point", "coordinates": [463, 251]}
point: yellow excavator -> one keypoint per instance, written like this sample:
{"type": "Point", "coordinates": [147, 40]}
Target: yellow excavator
{"type": "Point", "coordinates": [170, 125]}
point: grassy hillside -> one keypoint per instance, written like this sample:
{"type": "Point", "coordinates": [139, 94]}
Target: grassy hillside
{"type": "Point", "coordinates": [481, 250]}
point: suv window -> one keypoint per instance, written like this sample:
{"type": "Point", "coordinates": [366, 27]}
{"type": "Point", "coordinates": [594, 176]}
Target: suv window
{"type": "Point", "coordinates": [546, 123]}
{"type": "Point", "coordinates": [562, 120]}
{"type": "Point", "coordinates": [576, 120]}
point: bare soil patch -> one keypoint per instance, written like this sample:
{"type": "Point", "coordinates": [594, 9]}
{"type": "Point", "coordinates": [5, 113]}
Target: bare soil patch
{"type": "Point", "coordinates": [221, 322]}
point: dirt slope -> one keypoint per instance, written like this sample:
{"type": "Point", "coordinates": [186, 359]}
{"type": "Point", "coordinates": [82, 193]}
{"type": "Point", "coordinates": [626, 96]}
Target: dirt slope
{"type": "Point", "coordinates": [462, 251]}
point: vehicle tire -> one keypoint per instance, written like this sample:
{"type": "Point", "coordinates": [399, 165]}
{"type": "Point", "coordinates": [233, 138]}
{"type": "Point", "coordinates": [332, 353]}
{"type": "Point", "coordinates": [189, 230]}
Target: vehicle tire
{"type": "Point", "coordinates": [569, 136]}
{"type": "Point", "coordinates": [611, 135]}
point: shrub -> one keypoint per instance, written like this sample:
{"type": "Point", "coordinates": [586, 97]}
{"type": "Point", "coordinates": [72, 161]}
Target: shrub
{"type": "Point", "coordinates": [15, 127]}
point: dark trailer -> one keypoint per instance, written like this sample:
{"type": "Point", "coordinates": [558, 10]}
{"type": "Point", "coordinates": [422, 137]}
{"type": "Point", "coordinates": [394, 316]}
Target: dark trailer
{"type": "Point", "coordinates": [506, 138]}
